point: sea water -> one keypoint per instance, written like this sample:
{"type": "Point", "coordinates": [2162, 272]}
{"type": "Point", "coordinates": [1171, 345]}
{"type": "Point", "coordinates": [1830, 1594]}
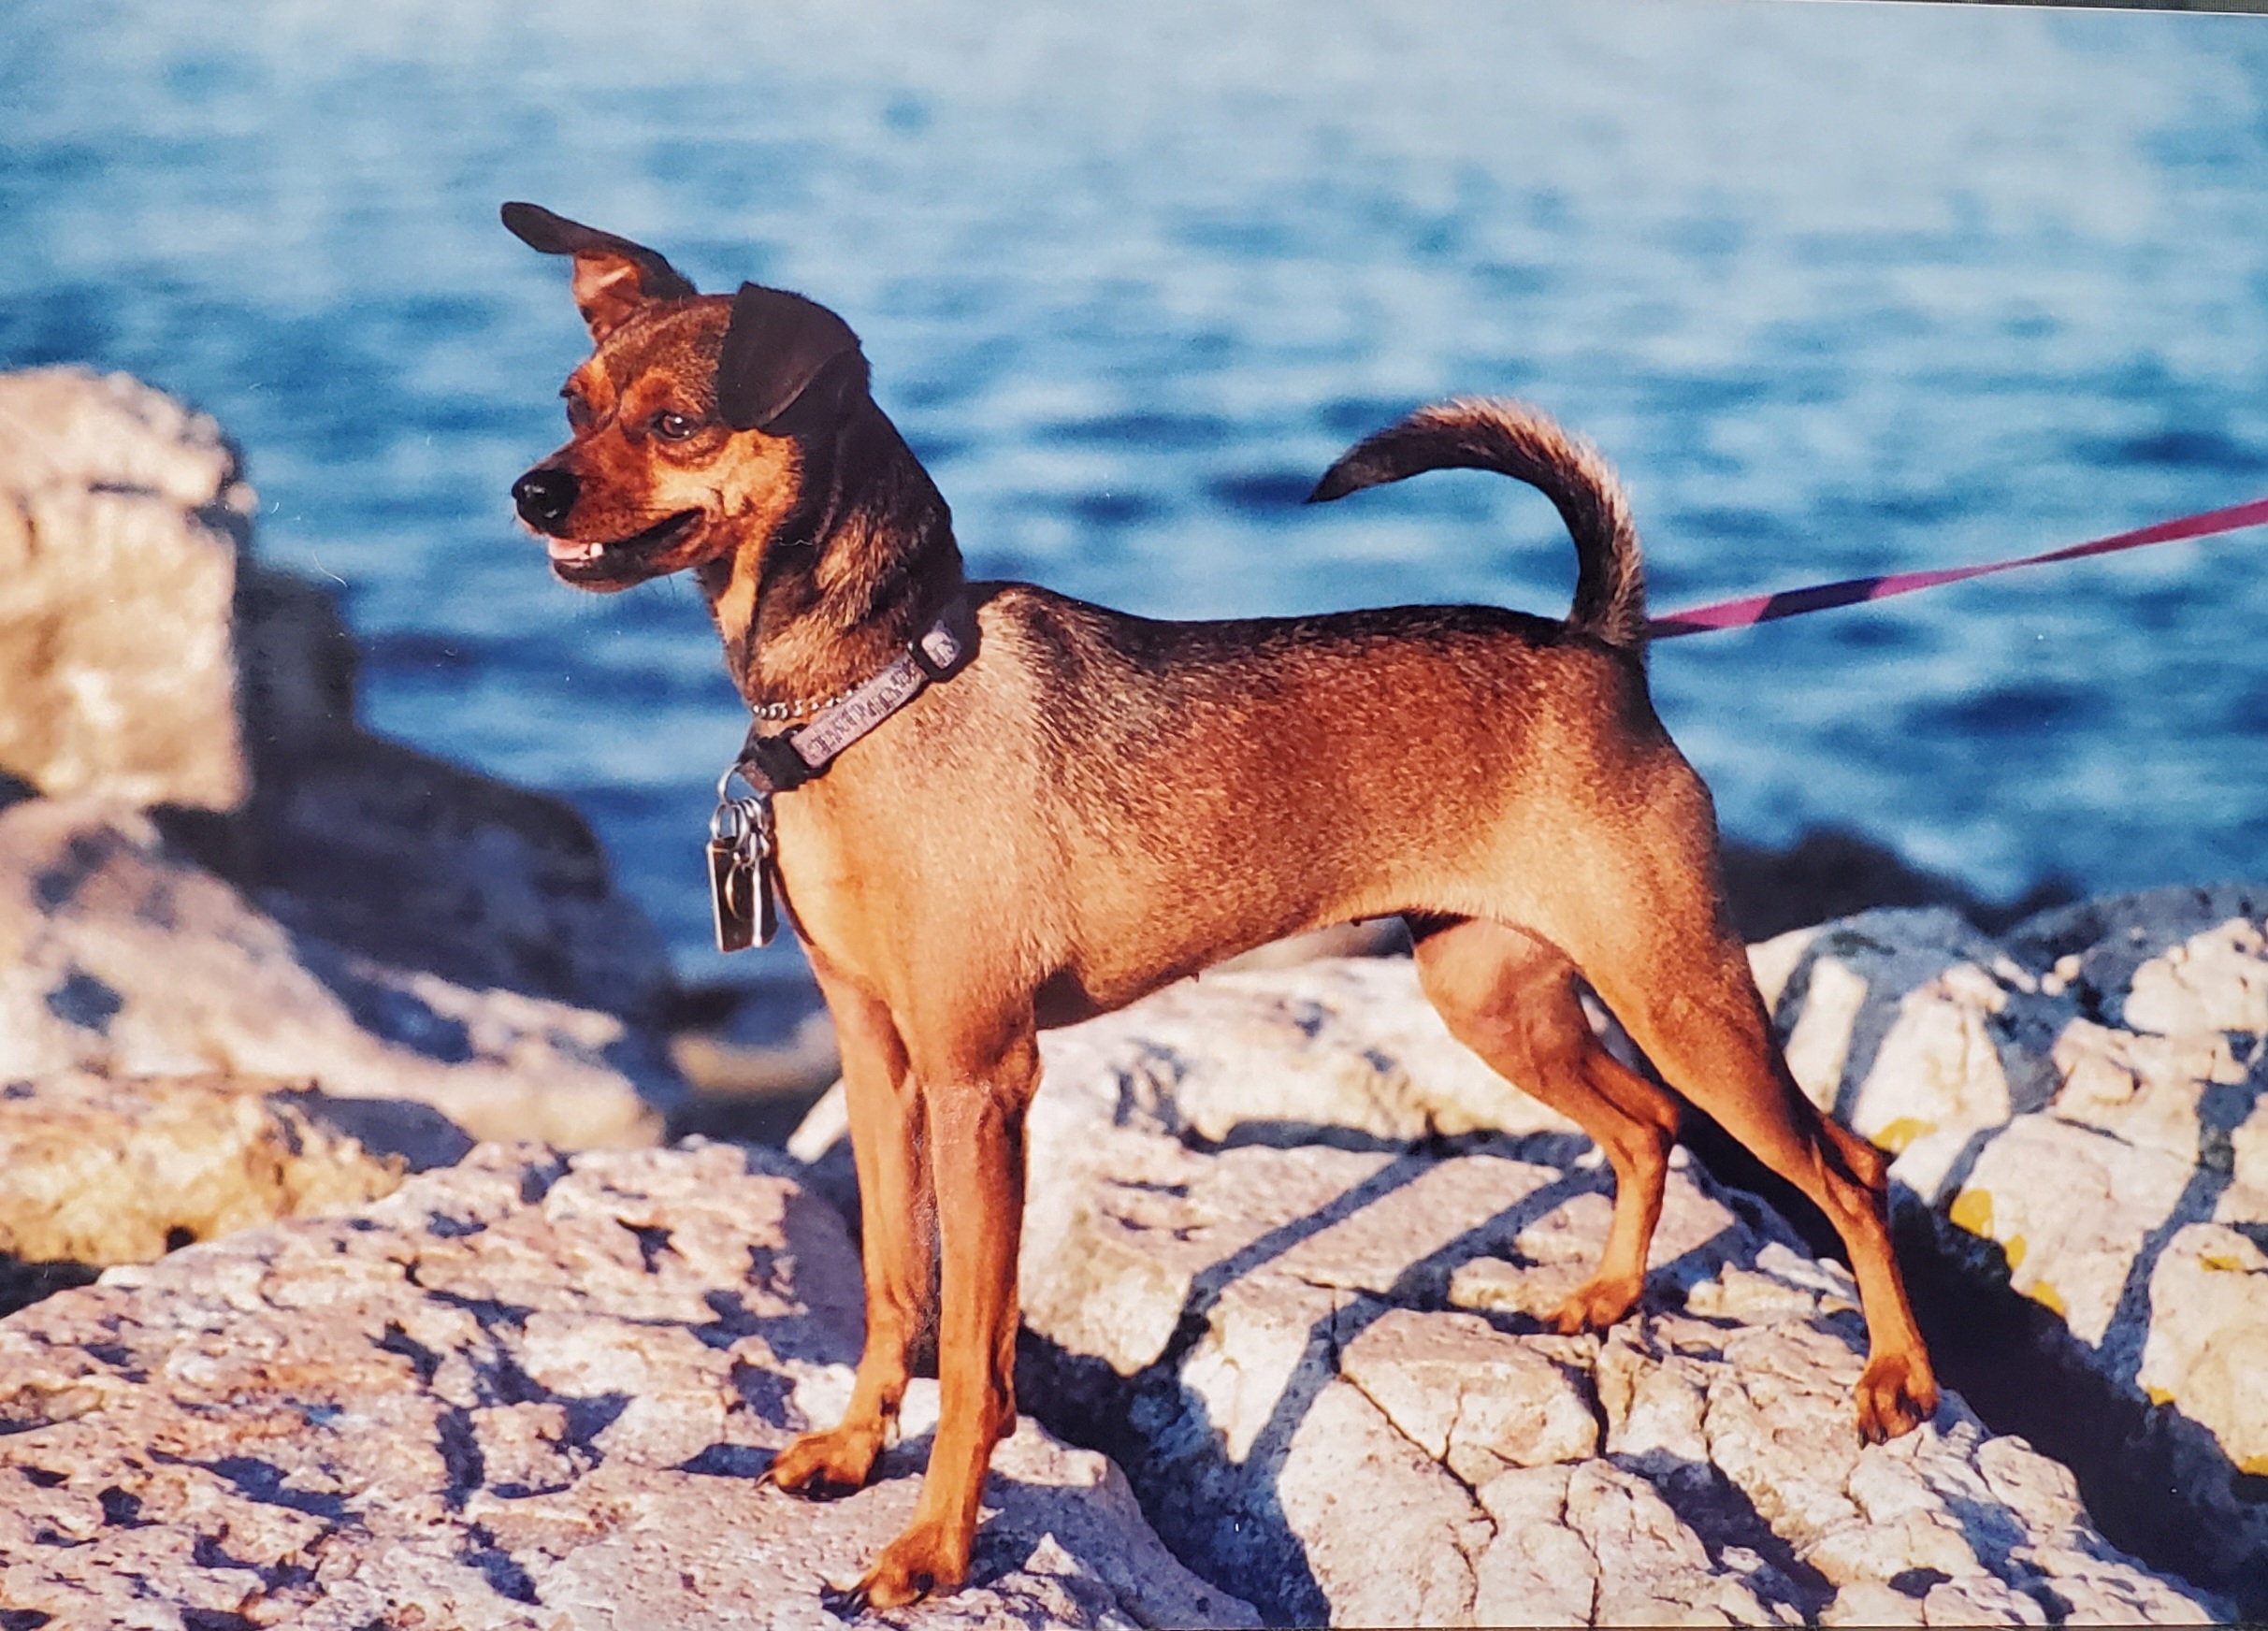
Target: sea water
{"type": "Point", "coordinates": [1841, 289]}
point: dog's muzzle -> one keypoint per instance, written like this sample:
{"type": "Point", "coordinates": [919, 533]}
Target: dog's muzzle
{"type": "Point", "coordinates": [545, 497]}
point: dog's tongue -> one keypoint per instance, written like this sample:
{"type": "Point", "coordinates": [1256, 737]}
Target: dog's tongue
{"type": "Point", "coordinates": [571, 551]}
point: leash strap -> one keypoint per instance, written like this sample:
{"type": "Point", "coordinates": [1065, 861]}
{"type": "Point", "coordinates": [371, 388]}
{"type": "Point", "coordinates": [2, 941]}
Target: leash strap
{"type": "Point", "coordinates": [1821, 597]}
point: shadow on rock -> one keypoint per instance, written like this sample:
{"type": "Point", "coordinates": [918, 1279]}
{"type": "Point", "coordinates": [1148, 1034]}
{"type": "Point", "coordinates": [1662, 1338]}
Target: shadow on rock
{"type": "Point", "coordinates": [22, 1283]}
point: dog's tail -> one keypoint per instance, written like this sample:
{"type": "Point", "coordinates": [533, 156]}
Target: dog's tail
{"type": "Point", "coordinates": [1522, 441]}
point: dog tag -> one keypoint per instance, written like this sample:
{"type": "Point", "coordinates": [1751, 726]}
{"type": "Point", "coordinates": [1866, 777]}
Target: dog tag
{"type": "Point", "coordinates": [767, 903]}
{"type": "Point", "coordinates": [741, 900]}
{"type": "Point", "coordinates": [731, 896]}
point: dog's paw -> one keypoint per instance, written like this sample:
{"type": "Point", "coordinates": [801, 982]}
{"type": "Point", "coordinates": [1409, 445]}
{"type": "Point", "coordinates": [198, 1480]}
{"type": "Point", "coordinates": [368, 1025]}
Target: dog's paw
{"type": "Point", "coordinates": [1896, 1393]}
{"type": "Point", "coordinates": [927, 1558]}
{"type": "Point", "coordinates": [825, 1466]}
{"type": "Point", "coordinates": [1596, 1304]}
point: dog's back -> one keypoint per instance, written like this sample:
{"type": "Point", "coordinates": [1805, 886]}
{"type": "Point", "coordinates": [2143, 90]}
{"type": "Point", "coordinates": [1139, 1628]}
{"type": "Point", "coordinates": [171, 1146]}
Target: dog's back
{"type": "Point", "coordinates": [1417, 760]}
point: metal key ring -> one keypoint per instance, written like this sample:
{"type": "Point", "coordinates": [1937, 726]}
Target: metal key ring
{"type": "Point", "coordinates": [736, 820]}
{"type": "Point", "coordinates": [729, 824]}
{"type": "Point", "coordinates": [725, 781]}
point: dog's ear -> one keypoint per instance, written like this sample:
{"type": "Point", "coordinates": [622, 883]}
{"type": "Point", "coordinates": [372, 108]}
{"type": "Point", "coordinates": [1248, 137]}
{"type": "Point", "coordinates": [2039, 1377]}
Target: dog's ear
{"type": "Point", "coordinates": [777, 344]}
{"type": "Point", "coordinates": [614, 277]}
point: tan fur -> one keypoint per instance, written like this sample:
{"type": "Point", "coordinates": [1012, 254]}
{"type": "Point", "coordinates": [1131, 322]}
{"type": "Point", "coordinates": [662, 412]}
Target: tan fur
{"type": "Point", "coordinates": [1101, 805]}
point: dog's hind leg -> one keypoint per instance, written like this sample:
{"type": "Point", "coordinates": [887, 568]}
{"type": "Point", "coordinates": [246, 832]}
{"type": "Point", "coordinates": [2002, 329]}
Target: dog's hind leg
{"type": "Point", "coordinates": [1678, 981]}
{"type": "Point", "coordinates": [1513, 999]}
{"type": "Point", "coordinates": [897, 1223]}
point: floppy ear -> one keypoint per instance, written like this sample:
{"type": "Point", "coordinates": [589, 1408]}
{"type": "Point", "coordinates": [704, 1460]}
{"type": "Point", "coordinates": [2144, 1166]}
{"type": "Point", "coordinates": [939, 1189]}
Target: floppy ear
{"type": "Point", "coordinates": [775, 346]}
{"type": "Point", "coordinates": [614, 277]}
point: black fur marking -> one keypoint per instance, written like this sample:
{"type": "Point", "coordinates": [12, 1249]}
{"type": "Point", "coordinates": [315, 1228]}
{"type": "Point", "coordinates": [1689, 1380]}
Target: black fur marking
{"type": "Point", "coordinates": [777, 344]}
{"type": "Point", "coordinates": [540, 229]}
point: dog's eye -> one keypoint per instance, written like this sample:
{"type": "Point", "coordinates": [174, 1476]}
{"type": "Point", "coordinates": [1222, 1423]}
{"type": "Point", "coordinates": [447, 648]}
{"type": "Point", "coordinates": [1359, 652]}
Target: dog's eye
{"type": "Point", "coordinates": [673, 426]}
{"type": "Point", "coordinates": [578, 410]}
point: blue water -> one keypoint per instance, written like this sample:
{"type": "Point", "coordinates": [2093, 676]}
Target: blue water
{"type": "Point", "coordinates": [1842, 289]}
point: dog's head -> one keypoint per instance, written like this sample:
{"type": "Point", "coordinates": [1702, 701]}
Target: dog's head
{"type": "Point", "coordinates": [690, 418]}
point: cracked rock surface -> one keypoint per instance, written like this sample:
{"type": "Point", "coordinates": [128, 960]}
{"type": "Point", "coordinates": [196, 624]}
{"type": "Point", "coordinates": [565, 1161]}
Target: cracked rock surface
{"type": "Point", "coordinates": [2080, 1110]}
{"type": "Point", "coordinates": [1305, 1323]}
{"type": "Point", "coordinates": [527, 1392]}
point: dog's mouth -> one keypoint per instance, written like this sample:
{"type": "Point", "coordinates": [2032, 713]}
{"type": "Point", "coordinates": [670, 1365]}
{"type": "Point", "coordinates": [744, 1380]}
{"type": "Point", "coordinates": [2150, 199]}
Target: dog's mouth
{"type": "Point", "coordinates": [592, 562]}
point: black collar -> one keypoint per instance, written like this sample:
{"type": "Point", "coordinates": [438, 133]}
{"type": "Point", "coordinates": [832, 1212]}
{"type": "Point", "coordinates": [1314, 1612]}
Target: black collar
{"type": "Point", "coordinates": [781, 762]}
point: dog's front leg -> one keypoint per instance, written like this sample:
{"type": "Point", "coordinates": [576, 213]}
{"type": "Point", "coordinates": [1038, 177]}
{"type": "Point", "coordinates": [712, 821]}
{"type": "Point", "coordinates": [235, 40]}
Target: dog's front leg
{"type": "Point", "coordinates": [975, 1097]}
{"type": "Point", "coordinates": [898, 1225]}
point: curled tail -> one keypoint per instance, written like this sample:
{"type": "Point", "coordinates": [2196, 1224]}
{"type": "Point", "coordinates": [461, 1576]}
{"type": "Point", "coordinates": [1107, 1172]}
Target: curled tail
{"type": "Point", "coordinates": [1522, 441]}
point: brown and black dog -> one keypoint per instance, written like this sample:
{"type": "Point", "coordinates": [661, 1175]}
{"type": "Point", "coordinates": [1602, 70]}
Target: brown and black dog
{"type": "Point", "coordinates": [1099, 804]}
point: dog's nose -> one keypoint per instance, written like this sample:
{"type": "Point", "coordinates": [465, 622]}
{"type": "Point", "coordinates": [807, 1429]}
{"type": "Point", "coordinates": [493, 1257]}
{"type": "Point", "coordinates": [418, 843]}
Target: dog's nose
{"type": "Point", "coordinates": [544, 497]}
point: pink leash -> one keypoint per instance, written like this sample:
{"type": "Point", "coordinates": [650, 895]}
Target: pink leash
{"type": "Point", "coordinates": [1820, 597]}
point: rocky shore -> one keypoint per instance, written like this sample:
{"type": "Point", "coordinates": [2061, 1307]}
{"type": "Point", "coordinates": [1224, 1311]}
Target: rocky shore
{"type": "Point", "coordinates": [1286, 1249]}
{"type": "Point", "coordinates": [2079, 1109]}
{"type": "Point", "coordinates": [350, 1287]}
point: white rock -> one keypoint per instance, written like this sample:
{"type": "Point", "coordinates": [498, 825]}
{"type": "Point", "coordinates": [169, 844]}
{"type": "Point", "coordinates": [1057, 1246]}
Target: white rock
{"type": "Point", "coordinates": [123, 516]}
{"type": "Point", "coordinates": [1313, 1356]}
{"type": "Point", "coordinates": [2143, 1090]}
{"type": "Point", "coordinates": [2214, 981]}
{"type": "Point", "coordinates": [2126, 1153]}
{"type": "Point", "coordinates": [67, 427]}
{"type": "Point", "coordinates": [1468, 1395]}
{"type": "Point", "coordinates": [146, 658]}
{"type": "Point", "coordinates": [1389, 1533]}
{"type": "Point", "coordinates": [1894, 1022]}
{"type": "Point", "coordinates": [1267, 1056]}
{"type": "Point", "coordinates": [2069, 1242]}
{"type": "Point", "coordinates": [1818, 1047]}
{"type": "Point", "coordinates": [520, 1392]}
{"type": "Point", "coordinates": [2248, 1151]}
{"type": "Point", "coordinates": [1535, 1571]}
{"type": "Point", "coordinates": [2208, 1343]}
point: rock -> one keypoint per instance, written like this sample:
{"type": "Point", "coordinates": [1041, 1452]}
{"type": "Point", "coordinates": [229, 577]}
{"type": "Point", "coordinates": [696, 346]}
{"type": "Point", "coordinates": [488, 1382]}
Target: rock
{"type": "Point", "coordinates": [526, 1391]}
{"type": "Point", "coordinates": [1338, 1052]}
{"type": "Point", "coordinates": [95, 1171]}
{"type": "Point", "coordinates": [296, 669]}
{"type": "Point", "coordinates": [2079, 1119]}
{"type": "Point", "coordinates": [2209, 1352]}
{"type": "Point", "coordinates": [118, 958]}
{"type": "Point", "coordinates": [148, 659]}
{"type": "Point", "coordinates": [1268, 1267]}
{"type": "Point", "coordinates": [120, 516]}
{"type": "Point", "coordinates": [405, 859]}
{"type": "Point", "coordinates": [1471, 1397]}
{"type": "Point", "coordinates": [1893, 1022]}
{"type": "Point", "coordinates": [1341, 1051]}
{"type": "Point", "coordinates": [756, 1058]}
{"type": "Point", "coordinates": [1826, 874]}
{"type": "Point", "coordinates": [412, 862]}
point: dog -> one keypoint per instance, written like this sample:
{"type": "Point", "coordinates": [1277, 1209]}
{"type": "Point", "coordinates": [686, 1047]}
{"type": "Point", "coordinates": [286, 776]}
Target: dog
{"type": "Point", "coordinates": [1070, 807]}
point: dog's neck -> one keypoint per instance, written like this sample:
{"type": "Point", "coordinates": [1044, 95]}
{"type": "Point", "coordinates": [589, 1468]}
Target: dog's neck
{"type": "Point", "coordinates": [847, 578]}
